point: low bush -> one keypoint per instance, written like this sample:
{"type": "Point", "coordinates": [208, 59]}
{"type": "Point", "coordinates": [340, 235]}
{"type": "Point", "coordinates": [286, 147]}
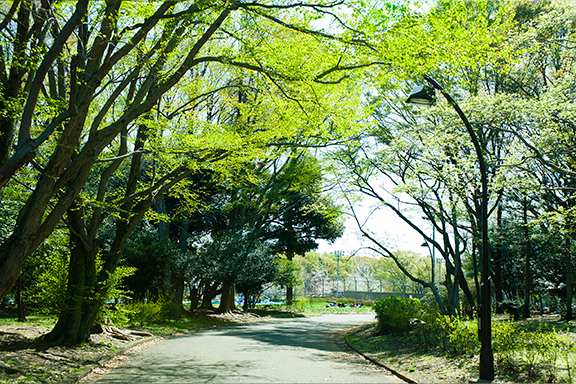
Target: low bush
{"type": "Point", "coordinates": [460, 335]}
{"type": "Point", "coordinates": [518, 354]}
{"type": "Point", "coordinates": [504, 343]}
{"type": "Point", "coordinates": [139, 313]}
{"type": "Point", "coordinates": [511, 307]}
{"type": "Point", "coordinates": [344, 300]}
{"type": "Point", "coordinates": [395, 313]}
{"type": "Point", "coordinates": [300, 303]}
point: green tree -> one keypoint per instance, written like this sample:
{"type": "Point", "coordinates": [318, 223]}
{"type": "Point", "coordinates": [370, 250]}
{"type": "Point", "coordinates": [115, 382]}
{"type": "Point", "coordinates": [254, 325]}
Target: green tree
{"type": "Point", "coordinates": [135, 68]}
{"type": "Point", "coordinates": [122, 49]}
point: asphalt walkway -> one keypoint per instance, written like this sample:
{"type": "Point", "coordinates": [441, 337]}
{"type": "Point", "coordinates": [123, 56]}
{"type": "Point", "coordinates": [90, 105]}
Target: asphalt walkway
{"type": "Point", "coordinates": [303, 350]}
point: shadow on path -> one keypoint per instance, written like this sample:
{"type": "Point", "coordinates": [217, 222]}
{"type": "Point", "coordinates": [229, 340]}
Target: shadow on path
{"type": "Point", "coordinates": [296, 350]}
{"type": "Point", "coordinates": [295, 333]}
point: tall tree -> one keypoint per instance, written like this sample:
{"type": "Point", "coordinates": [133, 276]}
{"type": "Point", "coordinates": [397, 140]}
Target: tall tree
{"type": "Point", "coordinates": [127, 57]}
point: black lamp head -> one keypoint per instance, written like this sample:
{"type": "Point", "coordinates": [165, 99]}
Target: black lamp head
{"type": "Point", "coordinates": [422, 95]}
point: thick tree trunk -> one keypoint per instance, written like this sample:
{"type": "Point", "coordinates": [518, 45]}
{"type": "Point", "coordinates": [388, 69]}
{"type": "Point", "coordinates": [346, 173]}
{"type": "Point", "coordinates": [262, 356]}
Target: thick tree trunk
{"type": "Point", "coordinates": [227, 303]}
{"type": "Point", "coordinates": [19, 301]}
{"type": "Point", "coordinates": [82, 304]}
{"type": "Point", "coordinates": [246, 304]}
{"type": "Point", "coordinates": [177, 298]}
{"type": "Point", "coordinates": [86, 289]}
{"type": "Point", "coordinates": [209, 292]}
{"type": "Point", "coordinates": [194, 298]}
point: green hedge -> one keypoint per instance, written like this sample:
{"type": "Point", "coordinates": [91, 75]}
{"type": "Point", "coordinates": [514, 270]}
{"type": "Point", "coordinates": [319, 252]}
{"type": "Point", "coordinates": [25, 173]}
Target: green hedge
{"type": "Point", "coordinates": [395, 313]}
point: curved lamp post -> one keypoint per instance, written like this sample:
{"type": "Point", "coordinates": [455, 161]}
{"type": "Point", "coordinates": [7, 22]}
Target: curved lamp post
{"type": "Point", "coordinates": [425, 95]}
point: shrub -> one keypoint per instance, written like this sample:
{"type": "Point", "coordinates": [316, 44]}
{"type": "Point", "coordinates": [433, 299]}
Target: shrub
{"type": "Point", "coordinates": [141, 312]}
{"type": "Point", "coordinates": [511, 307]}
{"type": "Point", "coordinates": [505, 343]}
{"type": "Point", "coordinates": [394, 313]}
{"type": "Point", "coordinates": [460, 335]}
{"type": "Point", "coordinates": [429, 303]}
{"type": "Point", "coordinates": [540, 352]}
{"type": "Point", "coordinates": [300, 303]}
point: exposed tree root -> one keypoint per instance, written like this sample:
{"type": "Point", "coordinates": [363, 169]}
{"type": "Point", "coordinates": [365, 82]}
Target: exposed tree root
{"type": "Point", "coordinates": [117, 333]}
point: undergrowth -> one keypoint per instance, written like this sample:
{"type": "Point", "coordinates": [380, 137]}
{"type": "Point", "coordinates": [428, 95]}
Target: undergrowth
{"type": "Point", "coordinates": [521, 353]}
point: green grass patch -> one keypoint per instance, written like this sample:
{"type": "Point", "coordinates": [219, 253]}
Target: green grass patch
{"type": "Point", "coordinates": [32, 320]}
{"type": "Point", "coordinates": [185, 323]}
{"type": "Point", "coordinates": [317, 306]}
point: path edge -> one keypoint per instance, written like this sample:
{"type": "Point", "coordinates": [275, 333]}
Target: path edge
{"type": "Point", "coordinates": [378, 363]}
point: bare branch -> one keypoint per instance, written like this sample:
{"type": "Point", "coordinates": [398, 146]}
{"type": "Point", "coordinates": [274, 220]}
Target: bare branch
{"type": "Point", "coordinates": [139, 152]}
{"type": "Point", "coordinates": [10, 14]}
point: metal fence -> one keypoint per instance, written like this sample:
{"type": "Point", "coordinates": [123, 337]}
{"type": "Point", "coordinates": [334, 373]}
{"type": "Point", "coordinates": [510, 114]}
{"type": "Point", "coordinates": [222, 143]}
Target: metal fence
{"type": "Point", "coordinates": [363, 295]}
{"type": "Point", "coordinates": [373, 288]}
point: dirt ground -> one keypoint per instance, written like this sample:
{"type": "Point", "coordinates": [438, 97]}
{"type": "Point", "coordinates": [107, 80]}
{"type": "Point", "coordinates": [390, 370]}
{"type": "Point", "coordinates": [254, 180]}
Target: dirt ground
{"type": "Point", "coordinates": [413, 364]}
{"type": "Point", "coordinates": [22, 359]}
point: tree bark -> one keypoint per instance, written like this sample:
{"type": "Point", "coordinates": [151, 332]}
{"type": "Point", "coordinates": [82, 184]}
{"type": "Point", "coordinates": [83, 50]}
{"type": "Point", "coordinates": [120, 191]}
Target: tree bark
{"type": "Point", "coordinates": [19, 301]}
{"type": "Point", "coordinates": [289, 290]}
{"type": "Point", "coordinates": [527, 261]}
{"type": "Point", "coordinates": [208, 293]}
{"type": "Point", "coordinates": [177, 298]}
{"type": "Point", "coordinates": [568, 267]}
{"type": "Point", "coordinates": [227, 303]}
{"type": "Point", "coordinates": [82, 304]}
{"type": "Point", "coordinates": [194, 298]}
{"type": "Point", "coordinates": [497, 261]}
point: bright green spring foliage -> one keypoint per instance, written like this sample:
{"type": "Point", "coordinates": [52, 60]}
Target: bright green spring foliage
{"type": "Point", "coordinates": [521, 353]}
{"type": "Point", "coordinates": [395, 313]}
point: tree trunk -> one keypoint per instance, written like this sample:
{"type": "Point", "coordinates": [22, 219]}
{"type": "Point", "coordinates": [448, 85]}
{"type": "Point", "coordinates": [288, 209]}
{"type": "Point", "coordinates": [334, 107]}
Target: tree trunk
{"type": "Point", "coordinates": [568, 267]}
{"type": "Point", "coordinates": [246, 304]}
{"type": "Point", "coordinates": [527, 269]}
{"type": "Point", "coordinates": [227, 303]}
{"type": "Point", "coordinates": [19, 301]}
{"type": "Point", "coordinates": [12, 86]}
{"type": "Point", "coordinates": [289, 290]}
{"type": "Point", "coordinates": [194, 298]}
{"type": "Point", "coordinates": [82, 304]}
{"type": "Point", "coordinates": [86, 289]}
{"type": "Point", "coordinates": [177, 298]}
{"type": "Point", "coordinates": [497, 262]}
{"type": "Point", "coordinates": [208, 293]}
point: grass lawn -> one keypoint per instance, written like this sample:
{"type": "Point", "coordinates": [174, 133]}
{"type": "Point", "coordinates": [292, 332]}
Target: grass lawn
{"type": "Point", "coordinates": [311, 307]}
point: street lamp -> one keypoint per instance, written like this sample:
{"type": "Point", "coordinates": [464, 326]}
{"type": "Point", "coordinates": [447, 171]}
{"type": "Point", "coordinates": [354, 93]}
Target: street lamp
{"type": "Point", "coordinates": [422, 95]}
{"type": "Point", "coordinates": [425, 95]}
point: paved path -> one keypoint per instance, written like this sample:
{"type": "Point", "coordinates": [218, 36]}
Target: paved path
{"type": "Point", "coordinates": [303, 350]}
